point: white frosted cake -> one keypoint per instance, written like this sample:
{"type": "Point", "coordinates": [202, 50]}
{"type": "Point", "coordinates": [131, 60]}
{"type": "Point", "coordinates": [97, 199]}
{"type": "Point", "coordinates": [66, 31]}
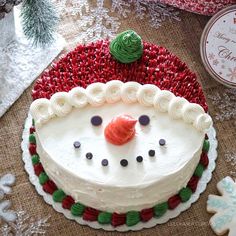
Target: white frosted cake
{"type": "Point", "coordinates": [119, 147]}
{"type": "Point", "coordinates": [107, 143]}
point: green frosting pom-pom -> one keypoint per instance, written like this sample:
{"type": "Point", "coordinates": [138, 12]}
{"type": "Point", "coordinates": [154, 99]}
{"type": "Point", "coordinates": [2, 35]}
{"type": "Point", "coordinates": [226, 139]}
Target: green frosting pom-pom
{"type": "Point", "coordinates": [58, 195]}
{"type": "Point", "coordinates": [104, 217]}
{"type": "Point", "coordinates": [32, 138]}
{"type": "Point", "coordinates": [132, 218]}
{"type": "Point", "coordinates": [160, 209]}
{"type": "Point", "coordinates": [127, 47]}
{"type": "Point", "coordinates": [35, 159]}
{"type": "Point", "coordinates": [185, 194]}
{"type": "Point", "coordinates": [77, 209]}
{"type": "Point", "coordinates": [43, 178]}
{"type": "Point", "coordinates": [206, 146]}
{"type": "Point", "coordinates": [199, 170]}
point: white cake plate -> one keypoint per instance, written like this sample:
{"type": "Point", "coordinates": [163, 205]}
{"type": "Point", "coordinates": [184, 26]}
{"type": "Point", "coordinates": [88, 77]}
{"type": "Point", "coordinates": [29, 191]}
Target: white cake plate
{"type": "Point", "coordinates": [206, 177]}
{"type": "Point", "coordinates": [20, 62]}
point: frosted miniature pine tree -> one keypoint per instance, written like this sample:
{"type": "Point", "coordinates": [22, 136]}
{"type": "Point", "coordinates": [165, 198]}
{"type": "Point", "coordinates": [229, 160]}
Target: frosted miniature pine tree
{"type": "Point", "coordinates": [224, 208]}
{"type": "Point", "coordinates": [39, 20]}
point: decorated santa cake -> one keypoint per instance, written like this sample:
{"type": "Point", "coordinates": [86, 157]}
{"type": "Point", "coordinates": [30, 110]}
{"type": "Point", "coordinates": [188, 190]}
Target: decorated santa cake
{"type": "Point", "coordinates": [119, 149]}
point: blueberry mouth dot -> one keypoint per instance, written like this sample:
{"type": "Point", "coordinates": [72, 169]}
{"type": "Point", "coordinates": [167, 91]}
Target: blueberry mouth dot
{"type": "Point", "coordinates": [104, 162]}
{"type": "Point", "coordinates": [89, 155]}
{"type": "Point", "coordinates": [139, 158]}
{"type": "Point", "coordinates": [124, 162]}
{"type": "Point", "coordinates": [162, 142]}
{"type": "Point", "coordinates": [144, 120]}
{"type": "Point", "coordinates": [77, 144]}
{"type": "Point", "coordinates": [96, 120]}
{"type": "Point", "coordinates": [151, 153]}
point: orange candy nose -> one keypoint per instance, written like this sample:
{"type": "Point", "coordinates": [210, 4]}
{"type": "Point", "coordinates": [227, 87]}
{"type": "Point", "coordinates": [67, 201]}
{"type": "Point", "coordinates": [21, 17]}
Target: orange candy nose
{"type": "Point", "coordinates": [120, 130]}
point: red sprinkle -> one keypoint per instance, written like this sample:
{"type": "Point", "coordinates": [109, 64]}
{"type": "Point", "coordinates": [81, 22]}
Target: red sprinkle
{"type": "Point", "coordinates": [192, 183]}
{"type": "Point", "coordinates": [206, 137]}
{"type": "Point", "coordinates": [32, 149]}
{"type": "Point", "coordinates": [38, 168]}
{"type": "Point", "coordinates": [90, 214]}
{"type": "Point", "coordinates": [49, 187]}
{"type": "Point", "coordinates": [118, 219]}
{"type": "Point", "coordinates": [204, 159]}
{"type": "Point", "coordinates": [32, 129]}
{"type": "Point", "coordinates": [146, 214]}
{"type": "Point", "coordinates": [67, 202]}
{"type": "Point", "coordinates": [174, 201]}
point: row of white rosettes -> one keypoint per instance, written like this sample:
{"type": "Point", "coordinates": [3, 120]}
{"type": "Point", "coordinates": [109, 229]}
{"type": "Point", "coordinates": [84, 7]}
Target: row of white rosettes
{"type": "Point", "coordinates": [96, 94]}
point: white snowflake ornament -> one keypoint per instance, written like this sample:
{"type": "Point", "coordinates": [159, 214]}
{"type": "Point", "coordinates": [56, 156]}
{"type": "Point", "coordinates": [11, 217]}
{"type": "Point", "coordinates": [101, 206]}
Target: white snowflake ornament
{"type": "Point", "coordinates": [224, 208]}
{"type": "Point", "coordinates": [25, 226]}
{"type": "Point", "coordinates": [5, 182]}
{"type": "Point", "coordinates": [5, 214]}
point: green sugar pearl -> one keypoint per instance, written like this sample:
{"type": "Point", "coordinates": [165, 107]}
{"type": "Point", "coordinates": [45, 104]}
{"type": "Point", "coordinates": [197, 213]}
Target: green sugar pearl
{"type": "Point", "coordinates": [77, 209]}
{"type": "Point", "coordinates": [35, 159]}
{"type": "Point", "coordinates": [206, 146]}
{"type": "Point", "coordinates": [132, 218]}
{"type": "Point", "coordinates": [43, 178]}
{"type": "Point", "coordinates": [199, 170]}
{"type": "Point", "coordinates": [185, 194]}
{"type": "Point", "coordinates": [104, 217]}
{"type": "Point", "coordinates": [58, 195]}
{"type": "Point", "coordinates": [32, 139]}
{"type": "Point", "coordinates": [160, 209]}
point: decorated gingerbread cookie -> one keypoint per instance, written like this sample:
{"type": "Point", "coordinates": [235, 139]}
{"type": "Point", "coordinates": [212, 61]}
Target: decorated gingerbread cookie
{"type": "Point", "coordinates": [225, 208]}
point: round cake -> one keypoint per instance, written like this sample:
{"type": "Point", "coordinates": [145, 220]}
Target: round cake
{"type": "Point", "coordinates": [116, 151]}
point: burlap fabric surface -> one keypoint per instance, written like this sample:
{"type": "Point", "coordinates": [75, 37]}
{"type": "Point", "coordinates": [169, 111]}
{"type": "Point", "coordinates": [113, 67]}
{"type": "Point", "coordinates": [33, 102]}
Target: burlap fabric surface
{"type": "Point", "coordinates": [182, 38]}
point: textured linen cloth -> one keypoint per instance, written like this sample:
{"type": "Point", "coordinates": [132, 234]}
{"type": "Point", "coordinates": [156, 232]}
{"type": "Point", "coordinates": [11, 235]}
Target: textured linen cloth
{"type": "Point", "coordinates": [182, 38]}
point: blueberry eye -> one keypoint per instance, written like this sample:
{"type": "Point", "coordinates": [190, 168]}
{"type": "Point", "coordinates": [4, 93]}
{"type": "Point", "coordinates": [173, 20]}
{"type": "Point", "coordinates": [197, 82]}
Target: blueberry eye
{"type": "Point", "coordinates": [151, 153]}
{"type": "Point", "coordinates": [162, 142]}
{"type": "Point", "coordinates": [96, 120]}
{"type": "Point", "coordinates": [77, 144]}
{"type": "Point", "coordinates": [89, 155]}
{"type": "Point", "coordinates": [104, 162]}
{"type": "Point", "coordinates": [124, 162]}
{"type": "Point", "coordinates": [139, 158]}
{"type": "Point", "coordinates": [144, 120]}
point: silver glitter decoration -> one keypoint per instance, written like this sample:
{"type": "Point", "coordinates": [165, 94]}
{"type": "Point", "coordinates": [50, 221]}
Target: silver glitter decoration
{"type": "Point", "coordinates": [25, 226]}
{"type": "Point", "coordinates": [224, 104]}
{"type": "Point", "coordinates": [230, 157]}
{"type": "Point", "coordinates": [156, 12]}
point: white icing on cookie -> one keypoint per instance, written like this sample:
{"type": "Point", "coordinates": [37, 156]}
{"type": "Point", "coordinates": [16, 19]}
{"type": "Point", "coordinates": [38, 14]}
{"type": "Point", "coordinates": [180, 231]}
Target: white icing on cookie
{"type": "Point", "coordinates": [224, 208]}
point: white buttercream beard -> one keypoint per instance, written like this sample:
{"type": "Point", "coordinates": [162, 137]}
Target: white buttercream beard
{"type": "Point", "coordinates": [115, 188]}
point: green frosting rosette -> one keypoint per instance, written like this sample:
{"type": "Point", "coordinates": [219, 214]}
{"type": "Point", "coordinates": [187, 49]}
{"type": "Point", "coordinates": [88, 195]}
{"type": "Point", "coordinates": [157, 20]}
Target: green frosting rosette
{"type": "Point", "coordinates": [127, 47]}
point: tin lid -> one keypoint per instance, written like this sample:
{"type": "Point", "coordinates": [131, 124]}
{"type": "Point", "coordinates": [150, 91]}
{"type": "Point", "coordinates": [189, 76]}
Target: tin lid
{"type": "Point", "coordinates": [218, 46]}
